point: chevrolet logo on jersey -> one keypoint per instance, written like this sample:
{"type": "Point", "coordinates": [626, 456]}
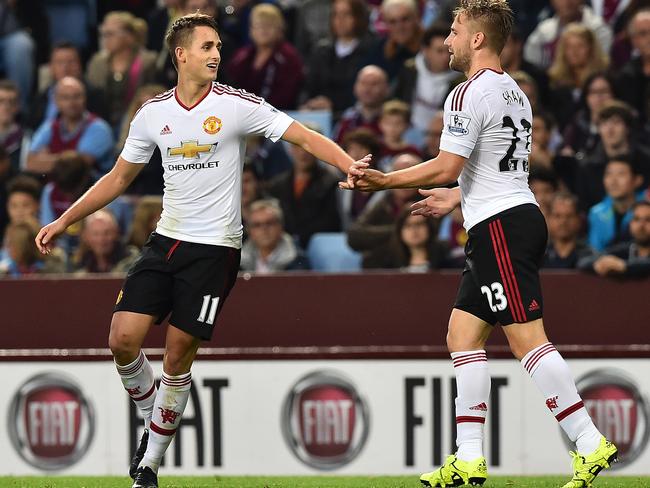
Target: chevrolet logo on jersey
{"type": "Point", "coordinates": [191, 149]}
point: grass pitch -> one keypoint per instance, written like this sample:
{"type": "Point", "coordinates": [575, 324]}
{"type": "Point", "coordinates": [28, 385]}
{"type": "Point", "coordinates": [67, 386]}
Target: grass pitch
{"type": "Point", "coordinates": [304, 482]}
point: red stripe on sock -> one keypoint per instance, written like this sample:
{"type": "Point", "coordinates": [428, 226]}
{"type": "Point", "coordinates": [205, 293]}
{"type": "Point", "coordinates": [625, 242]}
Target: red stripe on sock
{"type": "Point", "coordinates": [463, 363]}
{"type": "Point", "coordinates": [161, 431]}
{"type": "Point", "coordinates": [506, 283]}
{"type": "Point", "coordinates": [132, 369]}
{"type": "Point", "coordinates": [509, 267]}
{"type": "Point", "coordinates": [467, 356]}
{"type": "Point", "coordinates": [467, 418]}
{"type": "Point", "coordinates": [568, 411]}
{"type": "Point", "coordinates": [146, 395]}
{"type": "Point", "coordinates": [534, 359]}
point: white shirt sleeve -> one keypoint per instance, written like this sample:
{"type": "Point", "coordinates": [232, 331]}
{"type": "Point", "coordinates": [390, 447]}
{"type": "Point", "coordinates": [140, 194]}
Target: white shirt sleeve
{"type": "Point", "coordinates": [463, 121]}
{"type": "Point", "coordinates": [139, 145]}
{"type": "Point", "coordinates": [260, 118]}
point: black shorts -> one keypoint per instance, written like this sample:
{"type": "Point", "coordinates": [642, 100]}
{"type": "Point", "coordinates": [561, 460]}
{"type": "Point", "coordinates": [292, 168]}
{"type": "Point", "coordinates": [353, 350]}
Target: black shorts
{"type": "Point", "coordinates": [501, 277]}
{"type": "Point", "coordinates": [190, 280]}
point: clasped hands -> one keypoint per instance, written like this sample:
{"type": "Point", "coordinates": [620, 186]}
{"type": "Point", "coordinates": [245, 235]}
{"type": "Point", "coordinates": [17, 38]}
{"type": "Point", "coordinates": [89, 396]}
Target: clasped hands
{"type": "Point", "coordinates": [438, 202]}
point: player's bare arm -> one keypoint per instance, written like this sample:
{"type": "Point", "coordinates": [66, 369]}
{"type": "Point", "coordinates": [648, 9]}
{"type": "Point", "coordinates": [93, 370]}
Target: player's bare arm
{"type": "Point", "coordinates": [107, 189]}
{"type": "Point", "coordinates": [438, 202]}
{"type": "Point", "coordinates": [442, 170]}
{"type": "Point", "coordinates": [326, 150]}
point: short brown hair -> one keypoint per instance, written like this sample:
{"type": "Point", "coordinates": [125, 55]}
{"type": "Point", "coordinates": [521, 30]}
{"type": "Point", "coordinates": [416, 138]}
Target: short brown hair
{"type": "Point", "coordinates": [181, 31]}
{"type": "Point", "coordinates": [616, 108]}
{"type": "Point", "coordinates": [396, 107]}
{"type": "Point", "coordinates": [494, 17]}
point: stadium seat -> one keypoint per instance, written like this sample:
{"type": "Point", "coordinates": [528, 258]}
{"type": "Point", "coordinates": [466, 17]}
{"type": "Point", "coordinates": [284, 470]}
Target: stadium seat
{"type": "Point", "coordinates": [329, 252]}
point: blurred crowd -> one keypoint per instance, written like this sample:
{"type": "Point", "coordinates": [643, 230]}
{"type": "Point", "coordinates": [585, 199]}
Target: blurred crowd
{"type": "Point", "coordinates": [74, 72]}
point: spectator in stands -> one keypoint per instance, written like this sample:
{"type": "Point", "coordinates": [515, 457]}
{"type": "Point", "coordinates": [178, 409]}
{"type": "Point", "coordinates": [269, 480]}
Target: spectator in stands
{"type": "Point", "coordinates": [581, 134]}
{"type": "Point", "coordinates": [432, 136]}
{"type": "Point", "coordinates": [269, 248]}
{"type": "Point", "coordinates": [542, 154]}
{"type": "Point", "coordinates": [425, 80]}
{"type": "Point", "coordinates": [75, 129]}
{"type": "Point", "coordinates": [123, 64]}
{"type": "Point", "coordinates": [633, 81]}
{"type": "Point", "coordinates": [65, 60]}
{"type": "Point", "coordinates": [150, 179]}
{"type": "Point", "coordinates": [609, 220]}
{"type": "Point", "coordinates": [370, 90]}
{"type": "Point", "coordinates": [565, 247]}
{"type": "Point", "coordinates": [269, 67]}
{"type": "Point", "coordinates": [539, 48]}
{"type": "Point", "coordinates": [307, 195]}
{"type": "Point", "coordinates": [393, 124]}
{"type": "Point", "coordinates": [544, 184]}
{"type": "Point", "coordinates": [413, 246]}
{"type": "Point", "coordinates": [358, 143]}
{"type": "Point", "coordinates": [23, 195]}
{"type": "Point", "coordinates": [22, 257]}
{"type": "Point", "coordinates": [578, 56]}
{"type": "Point", "coordinates": [19, 201]}
{"type": "Point", "coordinates": [309, 28]}
{"type": "Point", "coordinates": [375, 224]}
{"type": "Point", "coordinates": [512, 61]}
{"type": "Point", "coordinates": [69, 179]}
{"type": "Point", "coordinates": [251, 191]}
{"type": "Point", "coordinates": [159, 21]}
{"type": "Point", "coordinates": [145, 218]}
{"type": "Point", "coordinates": [626, 259]}
{"type": "Point", "coordinates": [403, 38]}
{"type": "Point", "coordinates": [11, 132]}
{"type": "Point", "coordinates": [5, 174]}
{"type": "Point", "coordinates": [17, 49]}
{"type": "Point", "coordinates": [335, 62]}
{"type": "Point", "coordinates": [101, 250]}
{"type": "Point", "coordinates": [615, 126]}
{"type": "Point", "coordinates": [453, 235]}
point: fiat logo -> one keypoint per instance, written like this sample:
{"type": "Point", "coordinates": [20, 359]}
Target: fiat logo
{"type": "Point", "coordinates": [325, 421]}
{"type": "Point", "coordinates": [50, 422]}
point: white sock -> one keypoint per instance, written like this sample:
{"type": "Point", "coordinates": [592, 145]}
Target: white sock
{"type": "Point", "coordinates": [473, 386]}
{"type": "Point", "coordinates": [137, 378]}
{"type": "Point", "coordinates": [551, 374]}
{"type": "Point", "coordinates": [171, 400]}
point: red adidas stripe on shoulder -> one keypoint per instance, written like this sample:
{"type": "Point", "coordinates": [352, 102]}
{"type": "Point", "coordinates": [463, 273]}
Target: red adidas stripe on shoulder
{"type": "Point", "coordinates": [158, 98]}
{"type": "Point", "coordinates": [461, 90]}
{"type": "Point", "coordinates": [220, 89]}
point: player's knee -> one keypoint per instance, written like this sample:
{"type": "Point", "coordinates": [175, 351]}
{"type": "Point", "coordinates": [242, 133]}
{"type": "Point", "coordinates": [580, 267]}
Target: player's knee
{"type": "Point", "coordinates": [176, 363]}
{"type": "Point", "coordinates": [122, 345]}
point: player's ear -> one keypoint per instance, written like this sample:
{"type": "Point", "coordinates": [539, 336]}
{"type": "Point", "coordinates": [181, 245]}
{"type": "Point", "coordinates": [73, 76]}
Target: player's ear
{"type": "Point", "coordinates": [478, 40]}
{"type": "Point", "coordinates": [180, 54]}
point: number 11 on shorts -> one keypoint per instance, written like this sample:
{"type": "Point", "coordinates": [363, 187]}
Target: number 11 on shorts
{"type": "Point", "coordinates": [212, 304]}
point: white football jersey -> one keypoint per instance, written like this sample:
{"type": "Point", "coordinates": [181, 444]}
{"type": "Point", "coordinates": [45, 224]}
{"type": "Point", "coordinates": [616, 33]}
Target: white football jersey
{"type": "Point", "coordinates": [202, 151]}
{"type": "Point", "coordinates": [488, 120]}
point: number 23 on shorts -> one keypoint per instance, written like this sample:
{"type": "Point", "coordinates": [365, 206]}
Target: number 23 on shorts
{"type": "Point", "coordinates": [495, 296]}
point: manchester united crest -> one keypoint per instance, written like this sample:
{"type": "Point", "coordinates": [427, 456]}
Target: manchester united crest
{"type": "Point", "coordinates": [212, 125]}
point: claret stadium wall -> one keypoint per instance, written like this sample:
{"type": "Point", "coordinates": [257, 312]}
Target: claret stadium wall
{"type": "Point", "coordinates": [315, 373]}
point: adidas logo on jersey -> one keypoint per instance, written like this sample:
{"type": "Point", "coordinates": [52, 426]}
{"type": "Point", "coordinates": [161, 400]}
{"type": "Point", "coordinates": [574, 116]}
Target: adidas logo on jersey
{"type": "Point", "coordinates": [481, 406]}
{"type": "Point", "coordinates": [533, 306]}
{"type": "Point", "coordinates": [166, 130]}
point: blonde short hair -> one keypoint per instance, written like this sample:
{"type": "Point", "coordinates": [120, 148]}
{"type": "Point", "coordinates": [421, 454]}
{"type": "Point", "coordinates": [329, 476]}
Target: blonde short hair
{"type": "Point", "coordinates": [265, 12]}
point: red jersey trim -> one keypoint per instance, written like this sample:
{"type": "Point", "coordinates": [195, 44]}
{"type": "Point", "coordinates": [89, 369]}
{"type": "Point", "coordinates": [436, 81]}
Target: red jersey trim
{"type": "Point", "coordinates": [207, 92]}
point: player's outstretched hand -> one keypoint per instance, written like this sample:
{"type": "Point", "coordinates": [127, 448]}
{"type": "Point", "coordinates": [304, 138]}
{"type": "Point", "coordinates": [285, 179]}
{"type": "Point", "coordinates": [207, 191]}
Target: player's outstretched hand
{"type": "Point", "coordinates": [47, 234]}
{"type": "Point", "coordinates": [438, 202]}
{"type": "Point", "coordinates": [355, 171]}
